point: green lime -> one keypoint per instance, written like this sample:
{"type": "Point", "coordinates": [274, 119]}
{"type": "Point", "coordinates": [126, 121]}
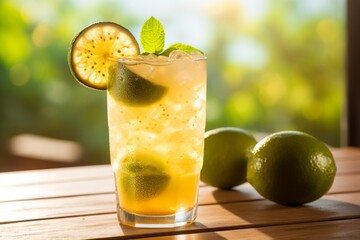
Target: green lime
{"type": "Point", "coordinates": [91, 48]}
{"type": "Point", "coordinates": [226, 153]}
{"type": "Point", "coordinates": [142, 176]}
{"type": "Point", "coordinates": [291, 168]}
{"type": "Point", "coordinates": [132, 89]}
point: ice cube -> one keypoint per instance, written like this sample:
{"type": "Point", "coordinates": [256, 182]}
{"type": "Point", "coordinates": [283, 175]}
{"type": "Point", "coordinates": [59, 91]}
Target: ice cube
{"type": "Point", "coordinates": [198, 103]}
{"type": "Point", "coordinates": [197, 56]}
{"type": "Point", "coordinates": [178, 54]}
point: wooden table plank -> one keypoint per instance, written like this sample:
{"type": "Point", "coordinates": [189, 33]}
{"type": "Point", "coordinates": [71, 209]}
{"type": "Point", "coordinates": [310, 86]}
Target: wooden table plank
{"type": "Point", "coordinates": [346, 183]}
{"type": "Point", "coordinates": [346, 153]}
{"type": "Point", "coordinates": [57, 189]}
{"type": "Point", "coordinates": [339, 229]}
{"type": "Point", "coordinates": [57, 208]}
{"type": "Point", "coordinates": [80, 203]}
{"type": "Point", "coordinates": [86, 181]}
{"type": "Point", "coordinates": [43, 208]}
{"type": "Point", "coordinates": [347, 166]}
{"type": "Point", "coordinates": [104, 203]}
{"type": "Point", "coordinates": [210, 218]}
{"type": "Point", "coordinates": [45, 176]}
{"type": "Point", "coordinates": [14, 211]}
{"type": "Point", "coordinates": [104, 171]}
{"type": "Point", "coordinates": [342, 183]}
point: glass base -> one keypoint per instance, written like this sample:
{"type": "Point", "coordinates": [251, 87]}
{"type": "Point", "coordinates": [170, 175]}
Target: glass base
{"type": "Point", "coordinates": [164, 221]}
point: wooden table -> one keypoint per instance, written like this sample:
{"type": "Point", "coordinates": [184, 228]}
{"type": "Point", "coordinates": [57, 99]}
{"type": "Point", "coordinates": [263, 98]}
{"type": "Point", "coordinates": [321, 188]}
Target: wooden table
{"type": "Point", "coordinates": [79, 203]}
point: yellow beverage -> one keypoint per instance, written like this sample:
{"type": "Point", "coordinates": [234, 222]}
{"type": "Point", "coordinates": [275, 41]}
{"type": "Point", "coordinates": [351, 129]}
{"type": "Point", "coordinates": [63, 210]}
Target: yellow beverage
{"type": "Point", "coordinates": [156, 118]}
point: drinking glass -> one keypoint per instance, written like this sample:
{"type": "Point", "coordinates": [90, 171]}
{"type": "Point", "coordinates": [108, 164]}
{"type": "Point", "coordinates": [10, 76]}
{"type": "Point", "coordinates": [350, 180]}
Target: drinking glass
{"type": "Point", "coordinates": [156, 120]}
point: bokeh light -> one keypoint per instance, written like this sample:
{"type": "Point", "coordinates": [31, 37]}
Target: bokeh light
{"type": "Point", "coordinates": [272, 65]}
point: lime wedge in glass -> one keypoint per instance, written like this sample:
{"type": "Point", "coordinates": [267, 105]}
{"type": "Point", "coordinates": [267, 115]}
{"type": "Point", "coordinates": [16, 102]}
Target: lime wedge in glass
{"type": "Point", "coordinates": [131, 89]}
{"type": "Point", "coordinates": [142, 177]}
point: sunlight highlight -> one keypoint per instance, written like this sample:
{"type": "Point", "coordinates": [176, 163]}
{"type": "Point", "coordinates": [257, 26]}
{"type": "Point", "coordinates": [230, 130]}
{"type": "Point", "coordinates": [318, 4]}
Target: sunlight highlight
{"type": "Point", "coordinates": [41, 36]}
{"type": "Point", "coordinates": [43, 148]}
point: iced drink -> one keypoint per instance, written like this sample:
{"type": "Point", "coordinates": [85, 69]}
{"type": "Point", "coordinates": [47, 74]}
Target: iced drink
{"type": "Point", "coordinates": [157, 136]}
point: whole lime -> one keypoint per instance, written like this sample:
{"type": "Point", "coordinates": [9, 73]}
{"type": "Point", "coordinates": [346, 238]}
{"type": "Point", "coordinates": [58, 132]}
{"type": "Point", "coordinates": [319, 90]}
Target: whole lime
{"type": "Point", "coordinates": [226, 153]}
{"type": "Point", "coordinates": [291, 168]}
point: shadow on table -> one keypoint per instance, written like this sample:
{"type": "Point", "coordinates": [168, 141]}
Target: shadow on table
{"type": "Point", "coordinates": [277, 221]}
{"type": "Point", "coordinates": [197, 230]}
{"type": "Point", "coordinates": [187, 232]}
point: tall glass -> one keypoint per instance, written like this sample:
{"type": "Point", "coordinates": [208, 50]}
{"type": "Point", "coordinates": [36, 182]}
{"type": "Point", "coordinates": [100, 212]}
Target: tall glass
{"type": "Point", "coordinates": [156, 119]}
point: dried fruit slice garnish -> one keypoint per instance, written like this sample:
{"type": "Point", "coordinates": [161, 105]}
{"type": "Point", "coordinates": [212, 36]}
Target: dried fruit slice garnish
{"type": "Point", "coordinates": [92, 47]}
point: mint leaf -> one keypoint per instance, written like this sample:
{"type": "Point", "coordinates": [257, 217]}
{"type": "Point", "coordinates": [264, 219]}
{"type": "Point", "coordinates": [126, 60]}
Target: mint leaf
{"type": "Point", "coordinates": [180, 46]}
{"type": "Point", "coordinates": [152, 36]}
{"type": "Point", "coordinates": [152, 39]}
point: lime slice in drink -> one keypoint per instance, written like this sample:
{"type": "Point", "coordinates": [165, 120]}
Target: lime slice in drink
{"type": "Point", "coordinates": [91, 48]}
{"type": "Point", "coordinates": [132, 89]}
{"type": "Point", "coordinates": [143, 177]}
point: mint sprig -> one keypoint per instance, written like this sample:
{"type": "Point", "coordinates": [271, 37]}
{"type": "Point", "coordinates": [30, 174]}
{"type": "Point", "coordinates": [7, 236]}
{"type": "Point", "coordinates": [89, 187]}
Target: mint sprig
{"type": "Point", "coordinates": [180, 46]}
{"type": "Point", "coordinates": [152, 38]}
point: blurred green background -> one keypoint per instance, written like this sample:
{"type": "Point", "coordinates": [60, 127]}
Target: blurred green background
{"type": "Point", "coordinates": [272, 65]}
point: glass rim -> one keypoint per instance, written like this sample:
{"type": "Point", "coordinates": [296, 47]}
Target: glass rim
{"type": "Point", "coordinates": [155, 60]}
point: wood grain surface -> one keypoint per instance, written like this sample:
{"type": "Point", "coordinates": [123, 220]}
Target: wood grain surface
{"type": "Point", "coordinates": [79, 203]}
